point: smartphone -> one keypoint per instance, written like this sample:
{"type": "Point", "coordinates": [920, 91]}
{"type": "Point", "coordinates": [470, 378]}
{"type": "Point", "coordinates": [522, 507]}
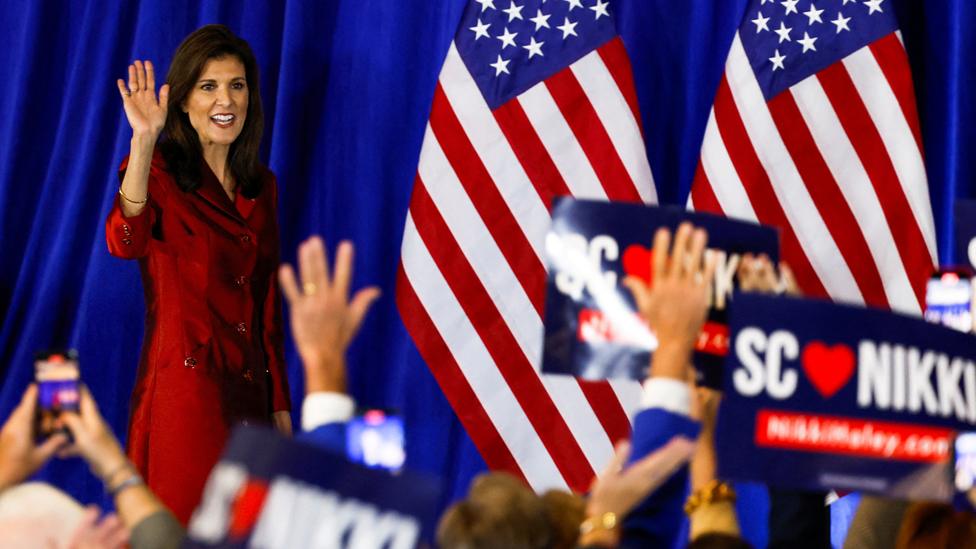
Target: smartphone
{"type": "Point", "coordinates": [375, 439]}
{"type": "Point", "coordinates": [57, 376]}
{"type": "Point", "coordinates": [949, 298]}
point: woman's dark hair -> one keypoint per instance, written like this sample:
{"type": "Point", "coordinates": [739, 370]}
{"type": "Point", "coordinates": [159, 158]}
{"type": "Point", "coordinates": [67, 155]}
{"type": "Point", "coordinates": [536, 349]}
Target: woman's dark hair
{"type": "Point", "coordinates": [180, 145]}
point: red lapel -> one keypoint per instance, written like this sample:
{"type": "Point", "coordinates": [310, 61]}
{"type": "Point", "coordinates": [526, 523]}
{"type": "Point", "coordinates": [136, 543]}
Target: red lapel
{"type": "Point", "coordinates": [211, 190]}
{"type": "Point", "coordinates": [245, 205]}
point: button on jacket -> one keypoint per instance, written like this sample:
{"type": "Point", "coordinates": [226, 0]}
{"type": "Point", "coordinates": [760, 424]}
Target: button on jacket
{"type": "Point", "coordinates": [212, 354]}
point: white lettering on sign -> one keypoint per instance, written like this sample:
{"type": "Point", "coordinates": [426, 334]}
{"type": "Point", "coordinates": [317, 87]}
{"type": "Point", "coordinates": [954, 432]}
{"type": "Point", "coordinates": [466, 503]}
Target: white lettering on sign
{"type": "Point", "coordinates": [296, 514]}
{"type": "Point", "coordinates": [897, 377]}
{"type": "Point", "coordinates": [890, 376]}
{"type": "Point", "coordinates": [580, 262]}
{"type": "Point", "coordinates": [725, 269]}
{"type": "Point", "coordinates": [579, 266]}
{"type": "Point", "coordinates": [767, 372]}
{"type": "Point", "coordinates": [210, 520]}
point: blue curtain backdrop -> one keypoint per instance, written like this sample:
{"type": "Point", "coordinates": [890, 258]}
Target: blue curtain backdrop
{"type": "Point", "coordinates": [347, 86]}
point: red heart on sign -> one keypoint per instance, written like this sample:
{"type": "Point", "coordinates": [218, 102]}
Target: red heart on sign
{"type": "Point", "coordinates": [637, 262]}
{"type": "Point", "coordinates": [828, 368]}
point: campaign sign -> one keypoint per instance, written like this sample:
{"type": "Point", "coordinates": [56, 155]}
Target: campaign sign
{"type": "Point", "coordinates": [965, 219]}
{"type": "Point", "coordinates": [269, 492]}
{"type": "Point", "coordinates": [821, 396]}
{"type": "Point", "coordinates": [592, 329]}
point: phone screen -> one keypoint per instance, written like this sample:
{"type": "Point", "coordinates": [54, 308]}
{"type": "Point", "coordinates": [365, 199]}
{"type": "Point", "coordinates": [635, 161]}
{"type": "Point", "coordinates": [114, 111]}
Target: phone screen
{"type": "Point", "coordinates": [965, 472]}
{"type": "Point", "coordinates": [949, 299]}
{"type": "Point", "coordinates": [57, 377]}
{"type": "Point", "coordinates": [375, 439]}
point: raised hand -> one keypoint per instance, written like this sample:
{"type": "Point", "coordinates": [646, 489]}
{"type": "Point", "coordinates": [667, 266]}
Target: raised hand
{"type": "Point", "coordinates": [93, 438]}
{"type": "Point", "coordinates": [677, 302]}
{"type": "Point", "coordinates": [20, 455]}
{"type": "Point", "coordinates": [92, 533]}
{"type": "Point", "coordinates": [145, 113]}
{"type": "Point", "coordinates": [323, 319]}
{"type": "Point", "coordinates": [758, 274]}
{"type": "Point", "coordinates": [618, 489]}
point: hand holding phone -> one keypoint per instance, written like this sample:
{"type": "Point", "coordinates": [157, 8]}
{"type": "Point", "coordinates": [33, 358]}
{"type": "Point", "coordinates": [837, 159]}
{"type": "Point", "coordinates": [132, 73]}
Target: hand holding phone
{"type": "Point", "coordinates": [949, 298]}
{"type": "Point", "coordinates": [20, 454]}
{"type": "Point", "coordinates": [57, 376]}
{"type": "Point", "coordinates": [375, 439]}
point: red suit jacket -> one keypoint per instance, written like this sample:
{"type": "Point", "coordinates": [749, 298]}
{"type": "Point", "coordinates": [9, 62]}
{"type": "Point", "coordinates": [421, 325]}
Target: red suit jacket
{"type": "Point", "coordinates": [212, 354]}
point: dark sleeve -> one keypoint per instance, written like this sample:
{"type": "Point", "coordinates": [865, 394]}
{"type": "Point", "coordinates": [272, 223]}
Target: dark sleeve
{"type": "Point", "coordinates": [798, 520]}
{"type": "Point", "coordinates": [658, 520]}
{"type": "Point", "coordinates": [274, 338]}
{"type": "Point", "coordinates": [876, 523]}
{"type": "Point", "coordinates": [159, 530]}
{"type": "Point", "coordinates": [129, 237]}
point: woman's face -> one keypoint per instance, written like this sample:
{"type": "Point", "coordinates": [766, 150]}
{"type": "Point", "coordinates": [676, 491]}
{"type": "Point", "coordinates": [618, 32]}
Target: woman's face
{"type": "Point", "coordinates": [217, 105]}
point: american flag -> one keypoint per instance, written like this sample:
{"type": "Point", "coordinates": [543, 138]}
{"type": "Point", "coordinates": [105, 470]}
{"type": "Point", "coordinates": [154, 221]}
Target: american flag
{"type": "Point", "coordinates": [814, 130]}
{"type": "Point", "coordinates": [535, 99]}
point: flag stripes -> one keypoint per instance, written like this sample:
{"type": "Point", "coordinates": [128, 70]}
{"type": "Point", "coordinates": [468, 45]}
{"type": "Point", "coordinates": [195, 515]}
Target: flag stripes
{"type": "Point", "coordinates": [827, 197]}
{"type": "Point", "coordinates": [838, 152]}
{"type": "Point", "coordinates": [835, 162]}
{"type": "Point", "coordinates": [592, 136]}
{"type": "Point", "coordinates": [471, 258]}
{"type": "Point", "coordinates": [485, 197]}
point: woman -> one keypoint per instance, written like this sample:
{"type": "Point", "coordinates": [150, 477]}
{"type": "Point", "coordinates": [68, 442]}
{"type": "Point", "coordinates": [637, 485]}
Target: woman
{"type": "Point", "coordinates": [199, 213]}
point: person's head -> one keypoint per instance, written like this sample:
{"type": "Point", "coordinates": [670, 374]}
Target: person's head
{"type": "Point", "coordinates": [499, 512]}
{"type": "Point", "coordinates": [214, 101]}
{"type": "Point", "coordinates": [565, 511]}
{"type": "Point", "coordinates": [37, 514]}
{"type": "Point", "coordinates": [932, 526]}
{"type": "Point", "coordinates": [717, 540]}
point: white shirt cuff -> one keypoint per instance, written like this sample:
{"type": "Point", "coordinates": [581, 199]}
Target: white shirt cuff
{"type": "Point", "coordinates": [321, 408]}
{"type": "Point", "coordinates": [668, 394]}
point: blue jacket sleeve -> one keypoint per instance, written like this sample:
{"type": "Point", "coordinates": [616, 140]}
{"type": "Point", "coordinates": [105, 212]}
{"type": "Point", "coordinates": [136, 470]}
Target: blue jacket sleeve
{"type": "Point", "coordinates": [331, 437]}
{"type": "Point", "coordinates": [658, 520]}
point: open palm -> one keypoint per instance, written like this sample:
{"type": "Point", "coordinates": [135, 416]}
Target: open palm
{"type": "Point", "coordinates": [146, 113]}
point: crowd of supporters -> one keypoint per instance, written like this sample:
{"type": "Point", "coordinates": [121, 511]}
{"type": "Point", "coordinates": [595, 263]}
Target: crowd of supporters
{"type": "Point", "coordinates": [659, 490]}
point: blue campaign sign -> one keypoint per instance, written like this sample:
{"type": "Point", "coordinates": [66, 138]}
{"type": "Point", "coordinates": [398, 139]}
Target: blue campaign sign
{"type": "Point", "coordinates": [965, 221]}
{"type": "Point", "coordinates": [822, 396]}
{"type": "Point", "coordinates": [592, 329]}
{"type": "Point", "coordinates": [269, 491]}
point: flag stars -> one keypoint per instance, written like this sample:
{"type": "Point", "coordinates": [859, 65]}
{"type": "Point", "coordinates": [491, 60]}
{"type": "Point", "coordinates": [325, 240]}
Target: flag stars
{"type": "Point", "coordinates": [501, 66]}
{"type": "Point", "coordinates": [540, 20]}
{"type": "Point", "coordinates": [762, 23]}
{"type": "Point", "coordinates": [841, 22]}
{"type": "Point", "coordinates": [813, 14]}
{"type": "Point", "coordinates": [600, 9]}
{"type": "Point", "coordinates": [481, 29]}
{"type": "Point", "coordinates": [807, 42]}
{"type": "Point", "coordinates": [777, 61]}
{"type": "Point", "coordinates": [507, 38]}
{"type": "Point", "coordinates": [486, 4]}
{"type": "Point", "coordinates": [574, 4]}
{"type": "Point", "coordinates": [534, 48]}
{"type": "Point", "coordinates": [790, 6]}
{"type": "Point", "coordinates": [514, 11]}
{"type": "Point", "coordinates": [784, 32]}
{"type": "Point", "coordinates": [569, 28]}
{"type": "Point", "coordinates": [874, 6]}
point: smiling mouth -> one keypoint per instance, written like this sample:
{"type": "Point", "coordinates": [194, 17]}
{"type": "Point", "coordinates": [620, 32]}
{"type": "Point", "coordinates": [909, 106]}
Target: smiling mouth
{"type": "Point", "coordinates": [223, 120]}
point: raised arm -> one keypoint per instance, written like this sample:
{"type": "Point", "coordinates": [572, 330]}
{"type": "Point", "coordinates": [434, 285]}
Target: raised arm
{"type": "Point", "coordinates": [147, 116]}
{"type": "Point", "coordinates": [151, 523]}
